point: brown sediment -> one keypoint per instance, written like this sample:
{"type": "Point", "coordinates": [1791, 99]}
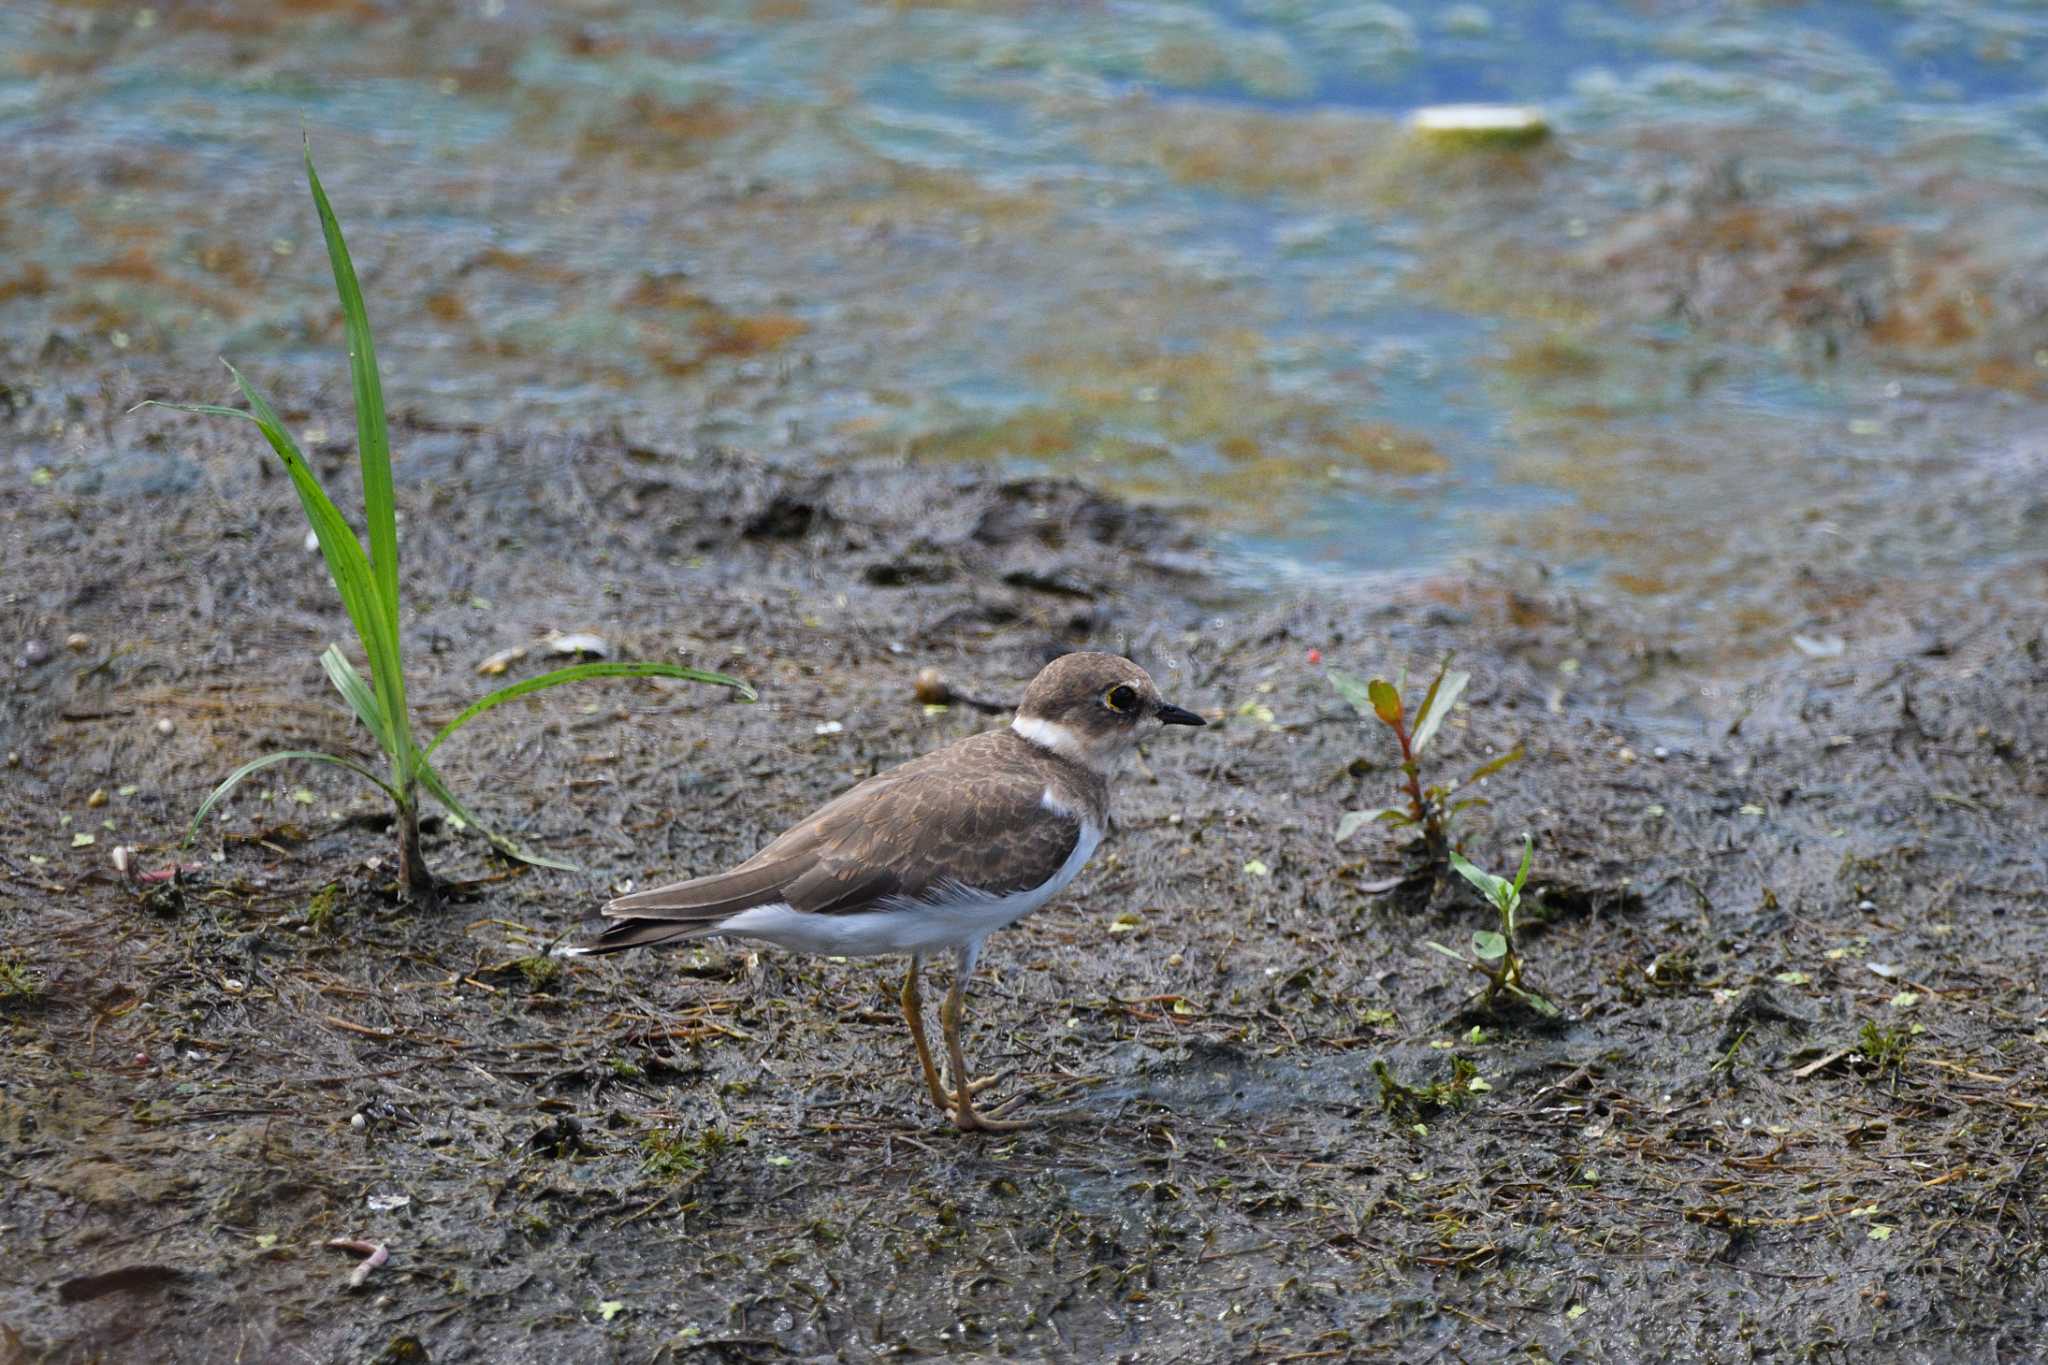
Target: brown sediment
{"type": "Point", "coordinates": [1711, 1154]}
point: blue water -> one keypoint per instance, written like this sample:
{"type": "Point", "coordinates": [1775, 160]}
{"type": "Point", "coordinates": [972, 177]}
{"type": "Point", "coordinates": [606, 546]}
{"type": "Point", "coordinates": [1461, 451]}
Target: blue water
{"type": "Point", "coordinates": [1056, 256]}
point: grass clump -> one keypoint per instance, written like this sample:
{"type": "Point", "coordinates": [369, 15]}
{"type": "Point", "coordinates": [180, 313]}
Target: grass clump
{"type": "Point", "coordinates": [539, 970]}
{"type": "Point", "coordinates": [19, 984]}
{"type": "Point", "coordinates": [1429, 808]}
{"type": "Point", "coordinates": [1494, 955]}
{"type": "Point", "coordinates": [321, 907]}
{"type": "Point", "coordinates": [677, 1155]}
{"type": "Point", "coordinates": [368, 587]}
{"type": "Point", "coordinates": [1412, 1103]}
{"type": "Point", "coordinates": [1884, 1049]}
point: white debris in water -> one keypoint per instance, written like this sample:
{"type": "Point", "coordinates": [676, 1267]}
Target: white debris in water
{"type": "Point", "coordinates": [1480, 125]}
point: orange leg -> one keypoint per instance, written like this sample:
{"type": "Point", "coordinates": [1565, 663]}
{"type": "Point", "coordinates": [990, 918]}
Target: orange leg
{"type": "Point", "coordinates": [913, 1014]}
{"type": "Point", "coordinates": [965, 1116]}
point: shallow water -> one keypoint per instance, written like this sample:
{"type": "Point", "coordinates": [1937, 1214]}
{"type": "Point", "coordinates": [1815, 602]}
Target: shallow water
{"type": "Point", "coordinates": [1182, 249]}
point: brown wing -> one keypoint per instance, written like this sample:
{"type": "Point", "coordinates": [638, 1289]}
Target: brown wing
{"type": "Point", "coordinates": [952, 816]}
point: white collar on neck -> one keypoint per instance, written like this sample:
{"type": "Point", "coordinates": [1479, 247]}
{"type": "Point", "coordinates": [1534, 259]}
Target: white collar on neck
{"type": "Point", "coordinates": [1055, 738]}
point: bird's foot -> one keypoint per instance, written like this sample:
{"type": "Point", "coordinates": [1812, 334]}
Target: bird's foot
{"type": "Point", "coordinates": [973, 1088]}
{"type": "Point", "coordinates": [968, 1119]}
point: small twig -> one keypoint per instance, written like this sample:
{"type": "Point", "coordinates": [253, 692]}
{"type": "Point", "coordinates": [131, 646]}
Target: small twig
{"type": "Point", "coordinates": [374, 1254]}
{"type": "Point", "coordinates": [383, 1034]}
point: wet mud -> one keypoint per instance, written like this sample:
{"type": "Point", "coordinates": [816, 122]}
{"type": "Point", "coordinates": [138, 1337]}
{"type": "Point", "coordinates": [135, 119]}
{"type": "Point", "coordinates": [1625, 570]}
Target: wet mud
{"type": "Point", "coordinates": [1706, 435]}
{"type": "Point", "coordinates": [1794, 1107]}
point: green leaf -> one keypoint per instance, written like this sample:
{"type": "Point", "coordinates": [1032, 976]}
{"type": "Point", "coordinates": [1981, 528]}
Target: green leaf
{"type": "Point", "coordinates": [576, 673]}
{"type": "Point", "coordinates": [1355, 820]}
{"type": "Point", "coordinates": [373, 439]}
{"type": "Point", "coordinates": [1494, 765]}
{"type": "Point", "coordinates": [355, 690]}
{"type": "Point", "coordinates": [258, 764]}
{"type": "Point", "coordinates": [346, 563]}
{"type": "Point", "coordinates": [1495, 889]}
{"type": "Point", "coordinates": [1352, 690]}
{"type": "Point", "coordinates": [376, 627]}
{"type": "Point", "coordinates": [1490, 947]}
{"type": "Point", "coordinates": [1522, 874]}
{"type": "Point", "coordinates": [1450, 953]}
{"type": "Point", "coordinates": [347, 566]}
{"type": "Point", "coordinates": [1386, 701]}
{"type": "Point", "coordinates": [1443, 694]}
{"type": "Point", "coordinates": [505, 844]}
{"type": "Point", "coordinates": [1429, 695]}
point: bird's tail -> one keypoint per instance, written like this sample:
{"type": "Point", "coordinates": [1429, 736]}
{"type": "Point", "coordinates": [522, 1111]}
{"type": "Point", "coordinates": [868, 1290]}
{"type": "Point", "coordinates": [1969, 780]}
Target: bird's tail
{"type": "Point", "coordinates": [622, 934]}
{"type": "Point", "coordinates": [682, 911]}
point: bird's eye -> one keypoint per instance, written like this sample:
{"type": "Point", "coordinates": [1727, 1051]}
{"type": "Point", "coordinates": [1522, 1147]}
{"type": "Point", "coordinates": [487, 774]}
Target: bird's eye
{"type": "Point", "coordinates": [1122, 697]}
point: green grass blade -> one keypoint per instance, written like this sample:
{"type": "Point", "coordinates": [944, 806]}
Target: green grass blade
{"type": "Point", "coordinates": [373, 437]}
{"type": "Point", "coordinates": [1494, 765]}
{"type": "Point", "coordinates": [346, 563]}
{"type": "Point", "coordinates": [505, 844]}
{"type": "Point", "coordinates": [258, 764]}
{"type": "Point", "coordinates": [376, 627]}
{"type": "Point", "coordinates": [355, 690]}
{"type": "Point", "coordinates": [576, 673]}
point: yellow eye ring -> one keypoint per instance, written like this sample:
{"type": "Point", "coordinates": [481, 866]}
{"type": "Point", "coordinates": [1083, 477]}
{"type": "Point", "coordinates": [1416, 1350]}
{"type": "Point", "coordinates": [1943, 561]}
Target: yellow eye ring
{"type": "Point", "coordinates": [1121, 698]}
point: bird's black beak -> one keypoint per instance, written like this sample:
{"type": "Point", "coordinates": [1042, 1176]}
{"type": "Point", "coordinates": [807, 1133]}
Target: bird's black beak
{"type": "Point", "coordinates": [1174, 715]}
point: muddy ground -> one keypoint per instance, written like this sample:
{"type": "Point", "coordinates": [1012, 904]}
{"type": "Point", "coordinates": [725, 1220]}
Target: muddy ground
{"type": "Point", "coordinates": [1795, 1110]}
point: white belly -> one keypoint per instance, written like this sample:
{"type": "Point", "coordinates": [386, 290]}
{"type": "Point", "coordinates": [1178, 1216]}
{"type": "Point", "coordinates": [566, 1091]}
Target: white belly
{"type": "Point", "coordinates": [959, 916]}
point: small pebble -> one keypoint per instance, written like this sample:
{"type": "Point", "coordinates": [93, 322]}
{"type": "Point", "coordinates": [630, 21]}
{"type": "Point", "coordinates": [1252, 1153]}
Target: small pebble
{"type": "Point", "coordinates": [1866, 905]}
{"type": "Point", "coordinates": [13, 758]}
{"type": "Point", "coordinates": [166, 726]}
{"type": "Point", "coordinates": [78, 642]}
{"type": "Point", "coordinates": [1660, 752]}
{"type": "Point", "coordinates": [33, 653]}
{"type": "Point", "coordinates": [357, 1121]}
{"type": "Point", "coordinates": [98, 798]}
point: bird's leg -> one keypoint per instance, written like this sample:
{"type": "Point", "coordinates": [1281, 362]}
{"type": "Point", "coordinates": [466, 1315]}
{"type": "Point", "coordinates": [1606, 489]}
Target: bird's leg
{"type": "Point", "coordinates": [965, 1116]}
{"type": "Point", "coordinates": [913, 1014]}
{"type": "Point", "coordinates": [964, 958]}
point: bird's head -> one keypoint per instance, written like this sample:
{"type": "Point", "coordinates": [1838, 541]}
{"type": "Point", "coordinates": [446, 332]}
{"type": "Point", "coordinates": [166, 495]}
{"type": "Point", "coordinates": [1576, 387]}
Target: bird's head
{"type": "Point", "coordinates": [1093, 707]}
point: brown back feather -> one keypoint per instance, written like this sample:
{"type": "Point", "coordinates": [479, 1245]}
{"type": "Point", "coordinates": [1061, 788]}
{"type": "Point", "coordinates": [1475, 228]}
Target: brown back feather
{"type": "Point", "coordinates": [970, 812]}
